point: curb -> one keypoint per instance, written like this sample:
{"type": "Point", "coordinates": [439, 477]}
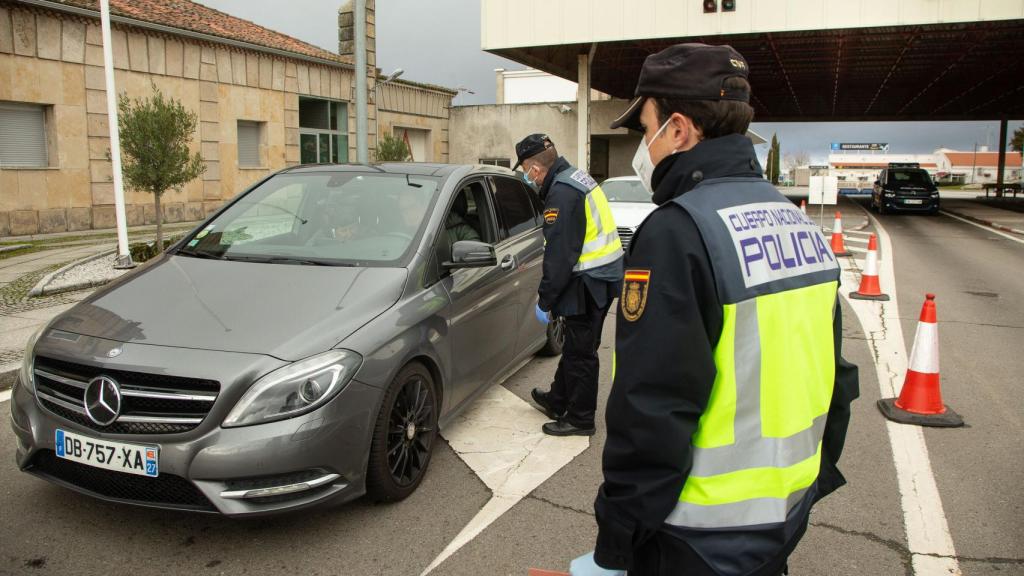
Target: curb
{"type": "Point", "coordinates": [13, 247]}
{"type": "Point", "coordinates": [40, 288]}
{"type": "Point", "coordinates": [7, 379]}
{"type": "Point", "coordinates": [988, 223]}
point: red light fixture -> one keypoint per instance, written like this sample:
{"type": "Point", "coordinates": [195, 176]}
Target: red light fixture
{"type": "Point", "coordinates": [710, 6]}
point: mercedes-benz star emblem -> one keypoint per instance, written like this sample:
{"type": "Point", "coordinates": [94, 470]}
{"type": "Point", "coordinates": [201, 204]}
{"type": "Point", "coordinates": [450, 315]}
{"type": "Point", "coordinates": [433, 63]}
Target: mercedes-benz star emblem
{"type": "Point", "coordinates": [102, 400]}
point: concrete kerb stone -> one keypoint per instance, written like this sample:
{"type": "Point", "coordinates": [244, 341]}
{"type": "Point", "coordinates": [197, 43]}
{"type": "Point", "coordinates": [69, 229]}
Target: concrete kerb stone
{"type": "Point", "coordinates": [984, 222]}
{"type": "Point", "coordinates": [14, 247]}
{"type": "Point", "coordinates": [40, 288]}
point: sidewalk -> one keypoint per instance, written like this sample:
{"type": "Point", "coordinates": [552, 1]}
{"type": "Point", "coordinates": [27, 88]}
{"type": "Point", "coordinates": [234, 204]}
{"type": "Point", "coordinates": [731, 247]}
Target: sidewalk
{"type": "Point", "coordinates": [986, 213]}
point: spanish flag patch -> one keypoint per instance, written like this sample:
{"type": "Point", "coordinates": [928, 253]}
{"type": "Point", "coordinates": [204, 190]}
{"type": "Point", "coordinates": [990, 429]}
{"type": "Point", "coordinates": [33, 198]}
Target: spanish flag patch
{"type": "Point", "coordinates": [550, 215]}
{"type": "Point", "coordinates": [634, 294]}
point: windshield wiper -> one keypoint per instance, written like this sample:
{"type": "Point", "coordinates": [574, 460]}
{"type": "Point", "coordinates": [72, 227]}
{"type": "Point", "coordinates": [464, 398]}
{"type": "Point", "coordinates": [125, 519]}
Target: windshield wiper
{"type": "Point", "coordinates": [196, 254]}
{"type": "Point", "coordinates": [289, 260]}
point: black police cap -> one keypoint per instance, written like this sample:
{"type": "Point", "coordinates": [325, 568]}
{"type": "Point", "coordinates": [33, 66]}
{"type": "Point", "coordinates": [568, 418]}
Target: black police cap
{"type": "Point", "coordinates": [686, 72]}
{"type": "Point", "coordinates": [531, 146]}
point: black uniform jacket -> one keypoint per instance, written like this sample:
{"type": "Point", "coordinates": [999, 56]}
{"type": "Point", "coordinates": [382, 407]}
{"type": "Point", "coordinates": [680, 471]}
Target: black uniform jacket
{"type": "Point", "coordinates": [666, 369]}
{"type": "Point", "coordinates": [562, 291]}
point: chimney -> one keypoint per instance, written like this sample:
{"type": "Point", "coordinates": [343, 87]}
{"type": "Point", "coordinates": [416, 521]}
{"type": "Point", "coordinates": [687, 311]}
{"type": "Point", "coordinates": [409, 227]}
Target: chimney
{"type": "Point", "coordinates": [347, 33]}
{"type": "Point", "coordinates": [347, 47]}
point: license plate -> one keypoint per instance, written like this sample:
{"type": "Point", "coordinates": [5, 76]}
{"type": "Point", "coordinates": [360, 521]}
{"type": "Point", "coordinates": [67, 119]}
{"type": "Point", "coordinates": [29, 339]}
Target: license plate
{"type": "Point", "coordinates": [118, 456]}
{"type": "Point", "coordinates": [913, 201]}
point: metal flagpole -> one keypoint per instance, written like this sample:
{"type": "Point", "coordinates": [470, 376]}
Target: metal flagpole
{"type": "Point", "coordinates": [124, 257]}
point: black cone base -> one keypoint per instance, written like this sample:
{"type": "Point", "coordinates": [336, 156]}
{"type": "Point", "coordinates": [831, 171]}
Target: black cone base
{"type": "Point", "coordinates": [948, 420]}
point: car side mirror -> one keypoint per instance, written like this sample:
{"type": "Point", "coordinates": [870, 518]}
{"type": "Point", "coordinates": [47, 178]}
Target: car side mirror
{"type": "Point", "coordinates": [471, 254]}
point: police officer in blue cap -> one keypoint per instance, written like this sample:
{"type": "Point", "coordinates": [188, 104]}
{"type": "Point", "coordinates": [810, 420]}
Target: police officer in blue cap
{"type": "Point", "coordinates": [582, 275]}
{"type": "Point", "coordinates": [730, 401]}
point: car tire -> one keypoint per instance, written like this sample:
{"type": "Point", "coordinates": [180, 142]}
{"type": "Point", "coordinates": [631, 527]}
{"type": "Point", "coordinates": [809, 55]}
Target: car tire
{"type": "Point", "coordinates": [398, 463]}
{"type": "Point", "coordinates": [555, 337]}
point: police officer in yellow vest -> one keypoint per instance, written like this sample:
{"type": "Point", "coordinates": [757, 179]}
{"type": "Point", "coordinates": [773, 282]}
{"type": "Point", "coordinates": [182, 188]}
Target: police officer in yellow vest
{"type": "Point", "coordinates": [582, 275]}
{"type": "Point", "coordinates": [730, 401]}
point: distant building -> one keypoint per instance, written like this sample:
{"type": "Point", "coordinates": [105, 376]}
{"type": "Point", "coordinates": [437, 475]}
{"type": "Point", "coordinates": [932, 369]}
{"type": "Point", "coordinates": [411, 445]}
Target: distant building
{"type": "Point", "coordinates": [530, 101]}
{"type": "Point", "coordinates": [944, 166]}
{"type": "Point", "coordinates": [981, 167]}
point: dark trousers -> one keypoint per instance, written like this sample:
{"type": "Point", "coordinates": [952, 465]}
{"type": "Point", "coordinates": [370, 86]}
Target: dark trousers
{"type": "Point", "coordinates": [664, 555]}
{"type": "Point", "coordinates": [575, 385]}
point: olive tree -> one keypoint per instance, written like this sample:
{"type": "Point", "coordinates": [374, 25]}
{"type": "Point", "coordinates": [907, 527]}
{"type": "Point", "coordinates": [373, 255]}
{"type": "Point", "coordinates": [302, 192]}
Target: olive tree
{"type": "Point", "coordinates": [391, 149]}
{"type": "Point", "coordinates": [155, 136]}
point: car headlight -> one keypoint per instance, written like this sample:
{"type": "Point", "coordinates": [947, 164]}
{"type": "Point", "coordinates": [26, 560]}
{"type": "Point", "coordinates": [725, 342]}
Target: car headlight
{"type": "Point", "coordinates": [935, 193]}
{"type": "Point", "coordinates": [27, 375]}
{"type": "Point", "coordinates": [295, 389]}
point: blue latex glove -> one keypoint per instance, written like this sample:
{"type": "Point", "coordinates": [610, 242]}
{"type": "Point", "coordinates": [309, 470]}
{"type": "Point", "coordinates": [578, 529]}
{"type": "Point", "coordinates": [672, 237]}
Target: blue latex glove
{"type": "Point", "coordinates": [585, 566]}
{"type": "Point", "coordinates": [542, 316]}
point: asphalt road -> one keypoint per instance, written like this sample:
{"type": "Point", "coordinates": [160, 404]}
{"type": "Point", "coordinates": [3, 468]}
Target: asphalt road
{"type": "Point", "coordinates": [859, 530]}
{"type": "Point", "coordinates": [978, 278]}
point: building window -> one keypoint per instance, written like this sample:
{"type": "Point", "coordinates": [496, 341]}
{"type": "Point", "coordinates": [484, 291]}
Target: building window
{"type": "Point", "coordinates": [250, 137]}
{"type": "Point", "coordinates": [23, 141]}
{"type": "Point", "coordinates": [323, 131]}
{"type": "Point", "coordinates": [496, 162]}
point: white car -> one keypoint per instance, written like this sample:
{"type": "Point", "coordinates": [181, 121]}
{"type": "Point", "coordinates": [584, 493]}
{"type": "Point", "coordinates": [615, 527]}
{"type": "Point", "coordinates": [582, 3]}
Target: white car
{"type": "Point", "coordinates": [630, 204]}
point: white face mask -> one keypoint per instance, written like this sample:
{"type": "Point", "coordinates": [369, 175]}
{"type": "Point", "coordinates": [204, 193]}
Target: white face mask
{"type": "Point", "coordinates": [642, 164]}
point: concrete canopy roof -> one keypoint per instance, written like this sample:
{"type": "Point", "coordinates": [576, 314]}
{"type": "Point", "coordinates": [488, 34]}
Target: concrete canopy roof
{"type": "Point", "coordinates": [928, 69]}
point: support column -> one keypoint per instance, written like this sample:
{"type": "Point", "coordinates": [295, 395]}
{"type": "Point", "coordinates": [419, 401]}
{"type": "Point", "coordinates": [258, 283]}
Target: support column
{"type": "Point", "coordinates": [583, 113]}
{"type": "Point", "coordinates": [1002, 158]}
{"type": "Point", "coordinates": [499, 74]}
{"type": "Point", "coordinates": [362, 120]}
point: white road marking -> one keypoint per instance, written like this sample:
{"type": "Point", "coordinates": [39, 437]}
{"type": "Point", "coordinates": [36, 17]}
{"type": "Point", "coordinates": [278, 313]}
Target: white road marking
{"type": "Point", "coordinates": [857, 249]}
{"type": "Point", "coordinates": [928, 537]}
{"type": "Point", "coordinates": [5, 395]}
{"type": "Point", "coordinates": [986, 228]}
{"type": "Point", "coordinates": [857, 240]}
{"type": "Point", "coordinates": [499, 437]}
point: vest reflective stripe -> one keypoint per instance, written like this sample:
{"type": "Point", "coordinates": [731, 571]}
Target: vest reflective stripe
{"type": "Point", "coordinates": [601, 245]}
{"type": "Point", "coordinates": [758, 445]}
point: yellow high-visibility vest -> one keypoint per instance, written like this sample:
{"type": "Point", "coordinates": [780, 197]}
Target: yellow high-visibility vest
{"type": "Point", "coordinates": [757, 448]}
{"type": "Point", "coordinates": [601, 244]}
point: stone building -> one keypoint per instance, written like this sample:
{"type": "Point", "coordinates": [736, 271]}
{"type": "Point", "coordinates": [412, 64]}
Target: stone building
{"type": "Point", "coordinates": [264, 100]}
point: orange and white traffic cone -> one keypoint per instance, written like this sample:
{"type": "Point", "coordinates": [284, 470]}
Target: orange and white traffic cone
{"type": "Point", "coordinates": [920, 400]}
{"type": "Point", "coordinates": [869, 288]}
{"type": "Point", "coordinates": [838, 248]}
{"type": "Point", "coordinates": [803, 206]}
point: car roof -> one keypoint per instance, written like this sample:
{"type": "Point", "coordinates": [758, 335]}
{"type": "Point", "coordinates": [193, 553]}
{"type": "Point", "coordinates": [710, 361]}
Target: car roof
{"type": "Point", "coordinates": [411, 168]}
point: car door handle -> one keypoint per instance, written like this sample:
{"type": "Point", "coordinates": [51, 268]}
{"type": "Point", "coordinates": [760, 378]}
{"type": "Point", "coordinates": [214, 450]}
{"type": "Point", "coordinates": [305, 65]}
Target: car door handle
{"type": "Point", "coordinates": [508, 262]}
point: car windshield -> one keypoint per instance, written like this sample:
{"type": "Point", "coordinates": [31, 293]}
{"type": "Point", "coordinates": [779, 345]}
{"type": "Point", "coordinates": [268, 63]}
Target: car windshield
{"type": "Point", "coordinates": [912, 178]}
{"type": "Point", "coordinates": [625, 191]}
{"type": "Point", "coordinates": [325, 218]}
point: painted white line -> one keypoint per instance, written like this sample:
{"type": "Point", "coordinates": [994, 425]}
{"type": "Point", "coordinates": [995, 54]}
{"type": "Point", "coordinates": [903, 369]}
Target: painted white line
{"type": "Point", "coordinates": [986, 228]}
{"type": "Point", "coordinates": [856, 249]}
{"type": "Point", "coordinates": [5, 395]}
{"type": "Point", "coordinates": [858, 233]}
{"type": "Point", "coordinates": [499, 437]}
{"type": "Point", "coordinates": [928, 537]}
{"type": "Point", "coordinates": [858, 240]}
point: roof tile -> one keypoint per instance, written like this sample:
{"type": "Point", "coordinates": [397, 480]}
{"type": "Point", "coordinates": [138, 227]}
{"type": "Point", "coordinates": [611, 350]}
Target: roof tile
{"type": "Point", "coordinates": [195, 17]}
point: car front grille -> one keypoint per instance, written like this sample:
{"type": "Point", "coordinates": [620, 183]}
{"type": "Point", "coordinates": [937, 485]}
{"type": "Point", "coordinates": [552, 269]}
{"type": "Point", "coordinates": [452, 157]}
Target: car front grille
{"type": "Point", "coordinates": [165, 490]}
{"type": "Point", "coordinates": [150, 403]}
{"type": "Point", "coordinates": [625, 235]}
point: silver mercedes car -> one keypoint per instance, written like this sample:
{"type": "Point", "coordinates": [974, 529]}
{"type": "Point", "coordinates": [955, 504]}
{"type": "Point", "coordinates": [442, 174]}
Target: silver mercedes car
{"type": "Point", "coordinates": [301, 347]}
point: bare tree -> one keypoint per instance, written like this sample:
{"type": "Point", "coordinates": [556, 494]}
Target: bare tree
{"type": "Point", "coordinates": [796, 160]}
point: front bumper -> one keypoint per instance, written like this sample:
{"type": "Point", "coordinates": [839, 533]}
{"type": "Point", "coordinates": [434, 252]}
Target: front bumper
{"type": "Point", "coordinates": [313, 459]}
{"type": "Point", "coordinates": [900, 204]}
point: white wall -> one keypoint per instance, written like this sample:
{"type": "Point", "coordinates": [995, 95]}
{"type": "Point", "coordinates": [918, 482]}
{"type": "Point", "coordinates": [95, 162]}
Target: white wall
{"type": "Point", "coordinates": [518, 23]}
{"type": "Point", "coordinates": [527, 86]}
